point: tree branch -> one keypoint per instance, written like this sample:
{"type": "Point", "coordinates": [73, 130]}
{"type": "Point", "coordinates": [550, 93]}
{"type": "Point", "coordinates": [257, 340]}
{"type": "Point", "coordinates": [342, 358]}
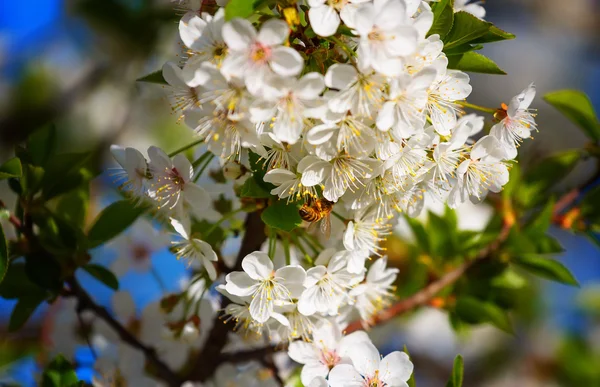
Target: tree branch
{"type": "Point", "coordinates": [210, 357]}
{"type": "Point", "coordinates": [86, 302]}
{"type": "Point", "coordinates": [425, 295]}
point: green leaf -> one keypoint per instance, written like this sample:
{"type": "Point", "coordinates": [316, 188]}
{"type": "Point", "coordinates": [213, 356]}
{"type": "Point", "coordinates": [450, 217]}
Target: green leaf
{"type": "Point", "coordinates": [59, 373]}
{"type": "Point", "coordinates": [456, 379]}
{"type": "Point", "coordinates": [239, 8]}
{"type": "Point", "coordinates": [11, 168]}
{"type": "Point", "coordinates": [540, 224]}
{"type": "Point", "coordinates": [466, 29]}
{"type": "Point", "coordinates": [475, 63]}
{"type": "Point", "coordinates": [463, 49]}
{"type": "Point", "coordinates": [538, 181]}
{"type": "Point", "coordinates": [44, 271]}
{"type": "Point", "coordinates": [155, 77]}
{"type": "Point", "coordinates": [66, 172]}
{"type": "Point", "coordinates": [474, 311]}
{"type": "Point", "coordinates": [494, 34]}
{"type": "Point", "coordinates": [41, 145]}
{"type": "Point", "coordinates": [23, 310]}
{"type": "Point", "coordinates": [113, 220]}
{"type": "Point", "coordinates": [3, 255]}
{"type": "Point", "coordinates": [419, 233]}
{"type": "Point", "coordinates": [546, 268]}
{"type": "Point", "coordinates": [103, 275]}
{"type": "Point", "coordinates": [443, 18]}
{"type": "Point", "coordinates": [576, 106]}
{"type": "Point", "coordinates": [251, 189]}
{"type": "Point", "coordinates": [282, 216]}
{"type": "Point", "coordinates": [17, 284]}
{"type": "Point", "coordinates": [73, 206]}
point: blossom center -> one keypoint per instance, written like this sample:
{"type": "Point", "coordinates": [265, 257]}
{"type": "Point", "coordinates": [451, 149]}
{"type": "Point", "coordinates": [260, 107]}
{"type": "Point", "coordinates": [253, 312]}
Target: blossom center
{"type": "Point", "coordinates": [374, 381]}
{"type": "Point", "coordinates": [329, 358]}
{"type": "Point", "coordinates": [260, 53]}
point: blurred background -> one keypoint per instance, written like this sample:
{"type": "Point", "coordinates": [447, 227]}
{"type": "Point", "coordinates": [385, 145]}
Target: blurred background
{"type": "Point", "coordinates": [75, 62]}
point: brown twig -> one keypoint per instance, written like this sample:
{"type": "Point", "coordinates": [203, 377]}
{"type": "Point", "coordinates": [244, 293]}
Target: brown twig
{"type": "Point", "coordinates": [210, 357]}
{"type": "Point", "coordinates": [85, 302]}
{"type": "Point", "coordinates": [425, 295]}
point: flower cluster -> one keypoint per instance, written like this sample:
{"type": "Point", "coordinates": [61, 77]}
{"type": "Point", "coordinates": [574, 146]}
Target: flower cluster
{"type": "Point", "coordinates": [355, 109]}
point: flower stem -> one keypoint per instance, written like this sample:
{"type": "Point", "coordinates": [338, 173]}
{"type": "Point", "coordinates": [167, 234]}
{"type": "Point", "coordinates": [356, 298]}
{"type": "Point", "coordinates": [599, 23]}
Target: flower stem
{"type": "Point", "coordinates": [272, 243]}
{"type": "Point", "coordinates": [206, 164]}
{"type": "Point", "coordinates": [476, 107]}
{"type": "Point", "coordinates": [186, 147]}
{"type": "Point", "coordinates": [340, 217]}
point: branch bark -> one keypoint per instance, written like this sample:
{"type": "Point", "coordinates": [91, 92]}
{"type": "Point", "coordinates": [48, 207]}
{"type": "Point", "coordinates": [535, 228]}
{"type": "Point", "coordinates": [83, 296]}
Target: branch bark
{"type": "Point", "coordinates": [210, 357]}
{"type": "Point", "coordinates": [425, 295]}
{"type": "Point", "coordinates": [86, 302]}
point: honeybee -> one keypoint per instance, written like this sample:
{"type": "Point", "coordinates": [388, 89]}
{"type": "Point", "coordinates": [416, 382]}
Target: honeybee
{"type": "Point", "coordinates": [315, 210]}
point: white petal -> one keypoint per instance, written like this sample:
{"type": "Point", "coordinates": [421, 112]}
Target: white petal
{"type": "Point", "coordinates": [257, 265]}
{"type": "Point", "coordinates": [261, 309]}
{"type": "Point", "coordinates": [364, 18]}
{"type": "Point", "coordinates": [315, 173]}
{"type": "Point", "coordinates": [240, 284]}
{"type": "Point", "coordinates": [324, 20]}
{"type": "Point", "coordinates": [385, 118]}
{"type": "Point", "coordinates": [286, 61]}
{"type": "Point", "coordinates": [183, 166]}
{"type": "Point", "coordinates": [279, 176]}
{"type": "Point", "coordinates": [395, 368]}
{"type": "Point", "coordinates": [345, 375]}
{"type": "Point", "coordinates": [303, 352]}
{"type": "Point", "coordinates": [310, 86]}
{"type": "Point", "coordinates": [239, 34]}
{"type": "Point", "coordinates": [340, 75]}
{"type": "Point", "coordinates": [159, 159]}
{"type": "Point", "coordinates": [365, 358]}
{"type": "Point", "coordinates": [173, 75]}
{"type": "Point", "coordinates": [196, 197]}
{"type": "Point", "coordinates": [273, 32]}
{"type": "Point", "coordinates": [311, 371]}
{"type": "Point", "coordinates": [320, 134]}
{"type": "Point", "coordinates": [291, 275]}
{"type": "Point", "coordinates": [191, 27]}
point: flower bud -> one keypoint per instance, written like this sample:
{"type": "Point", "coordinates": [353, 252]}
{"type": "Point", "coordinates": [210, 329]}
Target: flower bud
{"type": "Point", "coordinates": [233, 170]}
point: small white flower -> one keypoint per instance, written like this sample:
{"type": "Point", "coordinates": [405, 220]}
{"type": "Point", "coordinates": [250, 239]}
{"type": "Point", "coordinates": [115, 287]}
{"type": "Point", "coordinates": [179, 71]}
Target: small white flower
{"type": "Point", "coordinates": [324, 18]}
{"type": "Point", "coordinates": [265, 285]}
{"type": "Point", "coordinates": [404, 111]}
{"type": "Point", "coordinates": [172, 183]}
{"type": "Point", "coordinates": [288, 103]}
{"type": "Point", "coordinates": [341, 173]}
{"type": "Point", "coordinates": [194, 249]}
{"type": "Point", "coordinates": [327, 349]}
{"type": "Point", "coordinates": [225, 134]}
{"type": "Point", "coordinates": [366, 232]}
{"type": "Point", "coordinates": [450, 86]}
{"type": "Point", "coordinates": [361, 93]}
{"type": "Point", "coordinates": [385, 35]}
{"type": "Point", "coordinates": [518, 122]}
{"type": "Point", "coordinates": [484, 171]}
{"type": "Point", "coordinates": [289, 185]}
{"type": "Point", "coordinates": [254, 55]}
{"type": "Point", "coordinates": [341, 132]}
{"type": "Point", "coordinates": [183, 87]}
{"type": "Point", "coordinates": [326, 287]}
{"type": "Point", "coordinates": [376, 293]}
{"type": "Point", "coordinates": [133, 175]}
{"type": "Point", "coordinates": [368, 369]}
{"type": "Point", "coordinates": [202, 34]}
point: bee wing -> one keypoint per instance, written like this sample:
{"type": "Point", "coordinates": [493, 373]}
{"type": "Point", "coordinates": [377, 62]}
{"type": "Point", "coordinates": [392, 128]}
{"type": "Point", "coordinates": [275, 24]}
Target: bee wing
{"type": "Point", "coordinates": [312, 226]}
{"type": "Point", "coordinates": [326, 226]}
